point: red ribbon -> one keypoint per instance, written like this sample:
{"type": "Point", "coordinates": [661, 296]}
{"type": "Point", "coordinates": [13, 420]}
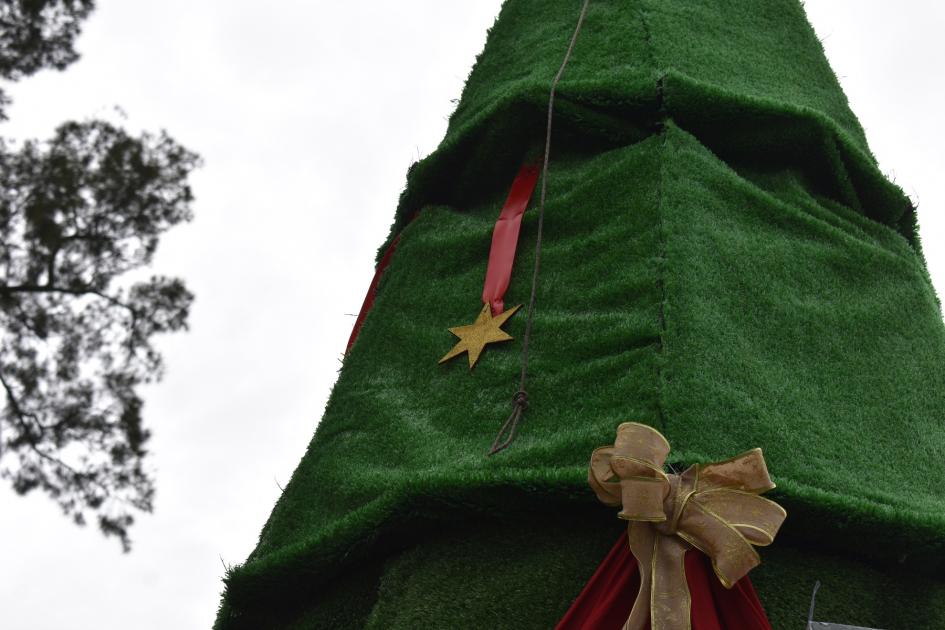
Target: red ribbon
{"type": "Point", "coordinates": [501, 256]}
{"type": "Point", "coordinates": [505, 238]}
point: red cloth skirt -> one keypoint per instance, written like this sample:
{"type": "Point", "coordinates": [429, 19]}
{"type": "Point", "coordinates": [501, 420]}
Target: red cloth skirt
{"type": "Point", "coordinates": [607, 598]}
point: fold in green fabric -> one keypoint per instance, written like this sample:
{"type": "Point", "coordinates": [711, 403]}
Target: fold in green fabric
{"type": "Point", "coordinates": [722, 260]}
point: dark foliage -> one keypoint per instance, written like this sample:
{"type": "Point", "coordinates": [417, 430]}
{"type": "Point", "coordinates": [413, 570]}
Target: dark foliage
{"type": "Point", "coordinates": [75, 214]}
{"type": "Point", "coordinates": [37, 34]}
{"type": "Point", "coordinates": [78, 213]}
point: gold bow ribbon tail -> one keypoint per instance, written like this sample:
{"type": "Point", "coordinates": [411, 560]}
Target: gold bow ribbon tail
{"type": "Point", "coordinates": [715, 508]}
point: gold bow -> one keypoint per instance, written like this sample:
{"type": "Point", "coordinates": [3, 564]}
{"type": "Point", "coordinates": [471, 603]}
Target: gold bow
{"type": "Point", "coordinates": [714, 508]}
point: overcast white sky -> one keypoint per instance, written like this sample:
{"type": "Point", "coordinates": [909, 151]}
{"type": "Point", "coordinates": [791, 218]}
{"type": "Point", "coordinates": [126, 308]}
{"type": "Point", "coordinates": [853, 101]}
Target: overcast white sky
{"type": "Point", "coordinates": [307, 114]}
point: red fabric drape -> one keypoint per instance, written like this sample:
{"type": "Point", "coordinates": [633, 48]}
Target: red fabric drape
{"type": "Point", "coordinates": [607, 598]}
{"type": "Point", "coordinates": [371, 292]}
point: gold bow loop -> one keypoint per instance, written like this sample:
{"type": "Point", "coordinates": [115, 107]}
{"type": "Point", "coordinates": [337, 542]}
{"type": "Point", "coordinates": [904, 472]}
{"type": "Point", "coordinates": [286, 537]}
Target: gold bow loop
{"type": "Point", "coordinates": [715, 508]}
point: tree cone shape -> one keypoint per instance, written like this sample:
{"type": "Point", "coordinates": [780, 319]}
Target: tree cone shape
{"type": "Point", "coordinates": [722, 260]}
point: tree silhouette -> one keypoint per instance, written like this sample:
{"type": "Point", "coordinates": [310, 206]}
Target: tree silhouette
{"type": "Point", "coordinates": [36, 34]}
{"type": "Point", "coordinates": [77, 214]}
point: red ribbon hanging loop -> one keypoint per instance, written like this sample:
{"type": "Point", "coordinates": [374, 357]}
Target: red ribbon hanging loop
{"type": "Point", "coordinates": [505, 238]}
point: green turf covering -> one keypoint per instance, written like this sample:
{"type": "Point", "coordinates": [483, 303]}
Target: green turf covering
{"type": "Point", "coordinates": [500, 574]}
{"type": "Point", "coordinates": [722, 260]}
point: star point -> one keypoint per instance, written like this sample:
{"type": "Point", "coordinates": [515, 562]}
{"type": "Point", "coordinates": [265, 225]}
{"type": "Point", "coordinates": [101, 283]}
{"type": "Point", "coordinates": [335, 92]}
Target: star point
{"type": "Point", "coordinates": [474, 337]}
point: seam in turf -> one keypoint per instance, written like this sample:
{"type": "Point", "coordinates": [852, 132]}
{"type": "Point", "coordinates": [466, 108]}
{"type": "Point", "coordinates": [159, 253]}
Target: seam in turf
{"type": "Point", "coordinates": [661, 286]}
{"type": "Point", "coordinates": [660, 129]}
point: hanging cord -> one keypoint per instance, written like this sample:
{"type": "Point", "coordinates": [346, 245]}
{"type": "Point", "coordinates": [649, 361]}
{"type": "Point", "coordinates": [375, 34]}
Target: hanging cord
{"type": "Point", "coordinates": [813, 600]}
{"type": "Point", "coordinates": [520, 400]}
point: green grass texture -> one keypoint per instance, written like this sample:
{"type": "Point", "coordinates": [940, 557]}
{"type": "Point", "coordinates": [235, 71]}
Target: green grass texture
{"type": "Point", "coordinates": [722, 260]}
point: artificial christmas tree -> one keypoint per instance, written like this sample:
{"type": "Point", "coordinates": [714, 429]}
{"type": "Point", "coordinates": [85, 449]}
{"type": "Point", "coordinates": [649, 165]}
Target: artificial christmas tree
{"type": "Point", "coordinates": [721, 260]}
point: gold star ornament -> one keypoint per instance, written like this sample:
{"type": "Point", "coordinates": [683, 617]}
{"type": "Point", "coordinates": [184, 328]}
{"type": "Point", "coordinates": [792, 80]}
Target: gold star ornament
{"type": "Point", "coordinates": [475, 337]}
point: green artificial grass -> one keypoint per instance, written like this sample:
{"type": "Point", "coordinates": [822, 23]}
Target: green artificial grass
{"type": "Point", "coordinates": [510, 574]}
{"type": "Point", "coordinates": [722, 260]}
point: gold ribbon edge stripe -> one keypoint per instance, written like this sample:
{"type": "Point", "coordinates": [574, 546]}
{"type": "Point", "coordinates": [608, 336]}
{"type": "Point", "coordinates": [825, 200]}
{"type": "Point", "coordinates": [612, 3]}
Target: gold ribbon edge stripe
{"type": "Point", "coordinates": [715, 508]}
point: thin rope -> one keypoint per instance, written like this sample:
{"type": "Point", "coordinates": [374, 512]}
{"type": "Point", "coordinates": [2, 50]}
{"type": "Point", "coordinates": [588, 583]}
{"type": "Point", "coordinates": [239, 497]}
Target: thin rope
{"type": "Point", "coordinates": [520, 400]}
{"type": "Point", "coordinates": [813, 600]}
